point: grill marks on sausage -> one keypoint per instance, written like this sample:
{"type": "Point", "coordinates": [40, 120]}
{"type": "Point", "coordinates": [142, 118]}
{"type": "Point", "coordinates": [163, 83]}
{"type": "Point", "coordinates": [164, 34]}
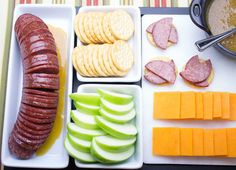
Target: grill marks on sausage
{"type": "Point", "coordinates": [39, 101]}
{"type": "Point", "coordinates": [197, 72]}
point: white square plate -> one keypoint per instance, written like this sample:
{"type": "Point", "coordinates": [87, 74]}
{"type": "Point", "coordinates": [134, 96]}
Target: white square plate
{"type": "Point", "coordinates": [224, 80]}
{"type": "Point", "coordinates": [134, 74]}
{"type": "Point", "coordinates": [56, 157]}
{"type": "Point", "coordinates": [136, 161]}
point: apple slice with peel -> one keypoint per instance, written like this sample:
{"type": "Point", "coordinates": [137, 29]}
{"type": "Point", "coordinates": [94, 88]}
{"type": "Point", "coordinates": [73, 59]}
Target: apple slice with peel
{"type": "Point", "coordinates": [110, 143]}
{"type": "Point", "coordinates": [110, 157]}
{"type": "Point", "coordinates": [84, 120]}
{"type": "Point", "coordinates": [118, 118]}
{"type": "Point", "coordinates": [85, 108]}
{"type": "Point", "coordinates": [86, 98]}
{"type": "Point", "coordinates": [81, 156]}
{"type": "Point", "coordinates": [79, 144]}
{"type": "Point", "coordinates": [113, 97]}
{"type": "Point", "coordinates": [83, 133]}
{"type": "Point", "coordinates": [115, 108]}
{"type": "Point", "coordinates": [121, 131]}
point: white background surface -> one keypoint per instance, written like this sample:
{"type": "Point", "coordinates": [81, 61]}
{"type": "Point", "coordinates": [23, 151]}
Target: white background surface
{"type": "Point", "coordinates": [224, 80]}
{"type": "Point", "coordinates": [57, 156]}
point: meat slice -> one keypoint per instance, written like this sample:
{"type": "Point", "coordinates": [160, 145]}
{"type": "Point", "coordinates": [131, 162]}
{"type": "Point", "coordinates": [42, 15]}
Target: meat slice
{"type": "Point", "coordinates": [173, 35]}
{"type": "Point", "coordinates": [196, 71]}
{"type": "Point", "coordinates": [161, 32]}
{"type": "Point", "coordinates": [153, 78]}
{"type": "Point", "coordinates": [202, 84]}
{"type": "Point", "coordinates": [150, 27]}
{"type": "Point", "coordinates": [163, 69]}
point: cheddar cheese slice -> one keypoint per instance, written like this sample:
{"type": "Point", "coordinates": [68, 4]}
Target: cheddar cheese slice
{"type": "Point", "coordinates": [187, 108]}
{"type": "Point", "coordinates": [220, 142]}
{"type": "Point", "coordinates": [209, 142]}
{"type": "Point", "coordinates": [199, 105]}
{"type": "Point", "coordinates": [166, 105]}
{"type": "Point", "coordinates": [225, 105]}
{"type": "Point", "coordinates": [198, 142]}
{"type": "Point", "coordinates": [231, 141]}
{"type": "Point", "coordinates": [207, 105]}
{"type": "Point", "coordinates": [186, 141]}
{"type": "Point", "coordinates": [232, 106]}
{"type": "Point", "coordinates": [166, 141]}
{"type": "Point", "coordinates": [217, 105]}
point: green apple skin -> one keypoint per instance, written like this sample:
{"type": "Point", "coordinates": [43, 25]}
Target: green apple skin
{"type": "Point", "coordinates": [81, 146]}
{"type": "Point", "coordinates": [82, 123]}
{"type": "Point", "coordinates": [113, 97]}
{"type": "Point", "coordinates": [118, 118]}
{"type": "Point", "coordinates": [88, 109]}
{"type": "Point", "coordinates": [112, 144]}
{"type": "Point", "coordinates": [116, 130]}
{"type": "Point", "coordinates": [116, 109]}
{"type": "Point", "coordinates": [78, 155]}
{"type": "Point", "coordinates": [86, 134]}
{"type": "Point", "coordinates": [110, 157]}
{"type": "Point", "coordinates": [86, 98]}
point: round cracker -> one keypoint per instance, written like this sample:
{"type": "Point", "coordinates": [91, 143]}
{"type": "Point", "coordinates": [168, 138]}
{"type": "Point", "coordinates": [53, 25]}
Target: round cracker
{"type": "Point", "coordinates": [106, 60]}
{"type": "Point", "coordinates": [76, 28]}
{"type": "Point", "coordinates": [96, 63]}
{"type": "Point", "coordinates": [100, 29]}
{"type": "Point", "coordinates": [122, 55]}
{"type": "Point", "coordinates": [80, 60]}
{"type": "Point", "coordinates": [106, 28]}
{"type": "Point", "coordinates": [90, 24]}
{"type": "Point", "coordinates": [81, 28]}
{"type": "Point", "coordinates": [97, 18]}
{"type": "Point", "coordinates": [121, 24]}
{"type": "Point", "coordinates": [87, 27]}
{"type": "Point", "coordinates": [92, 50]}
{"type": "Point", "coordinates": [100, 59]}
{"type": "Point", "coordinates": [74, 55]}
{"type": "Point", "coordinates": [87, 50]}
{"type": "Point", "coordinates": [113, 67]}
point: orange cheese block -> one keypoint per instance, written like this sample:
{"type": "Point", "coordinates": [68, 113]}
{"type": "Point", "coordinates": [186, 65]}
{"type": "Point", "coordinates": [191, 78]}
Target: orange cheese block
{"type": "Point", "coordinates": [186, 141]}
{"type": "Point", "coordinates": [232, 106]}
{"type": "Point", "coordinates": [217, 113]}
{"type": "Point", "coordinates": [225, 105]}
{"type": "Point", "coordinates": [220, 142]}
{"type": "Point", "coordinates": [166, 141]}
{"type": "Point", "coordinates": [207, 105]}
{"type": "Point", "coordinates": [231, 141]}
{"type": "Point", "coordinates": [199, 105]}
{"type": "Point", "coordinates": [187, 107]}
{"type": "Point", "coordinates": [166, 105]}
{"type": "Point", "coordinates": [209, 142]}
{"type": "Point", "coordinates": [198, 142]}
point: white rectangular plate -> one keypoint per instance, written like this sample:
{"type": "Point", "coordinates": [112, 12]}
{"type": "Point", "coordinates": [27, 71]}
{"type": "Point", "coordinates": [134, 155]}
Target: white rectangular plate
{"type": "Point", "coordinates": [134, 74]}
{"type": "Point", "coordinates": [224, 80]}
{"type": "Point", "coordinates": [136, 161]}
{"type": "Point", "coordinates": [56, 157]}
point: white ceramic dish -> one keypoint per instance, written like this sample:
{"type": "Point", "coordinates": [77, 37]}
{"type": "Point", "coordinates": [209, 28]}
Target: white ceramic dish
{"type": "Point", "coordinates": [224, 80]}
{"type": "Point", "coordinates": [134, 74]}
{"type": "Point", "coordinates": [136, 161]}
{"type": "Point", "coordinates": [56, 157]}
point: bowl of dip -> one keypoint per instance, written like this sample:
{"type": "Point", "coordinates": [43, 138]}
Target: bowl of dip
{"type": "Point", "coordinates": [215, 17]}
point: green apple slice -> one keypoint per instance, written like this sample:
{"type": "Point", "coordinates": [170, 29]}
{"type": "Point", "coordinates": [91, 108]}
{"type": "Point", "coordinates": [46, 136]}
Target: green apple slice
{"type": "Point", "coordinates": [115, 108]}
{"type": "Point", "coordinates": [83, 133]}
{"type": "Point", "coordinates": [113, 144]}
{"type": "Point", "coordinates": [86, 98]}
{"type": "Point", "coordinates": [118, 118]}
{"type": "Point", "coordinates": [110, 157]}
{"type": "Point", "coordinates": [81, 156]}
{"type": "Point", "coordinates": [79, 144]}
{"type": "Point", "coordinates": [83, 120]}
{"type": "Point", "coordinates": [88, 109]}
{"type": "Point", "coordinates": [121, 131]}
{"type": "Point", "coordinates": [114, 97]}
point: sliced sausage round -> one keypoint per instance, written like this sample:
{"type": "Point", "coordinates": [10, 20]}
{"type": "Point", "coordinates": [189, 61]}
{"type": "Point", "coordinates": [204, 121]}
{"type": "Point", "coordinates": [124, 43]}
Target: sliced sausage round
{"type": "Point", "coordinates": [37, 111]}
{"type": "Point", "coordinates": [41, 92]}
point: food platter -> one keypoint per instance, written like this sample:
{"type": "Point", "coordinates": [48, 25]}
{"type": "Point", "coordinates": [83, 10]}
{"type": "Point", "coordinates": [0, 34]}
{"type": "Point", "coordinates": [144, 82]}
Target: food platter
{"type": "Point", "coordinates": [180, 53]}
{"type": "Point", "coordinates": [144, 122]}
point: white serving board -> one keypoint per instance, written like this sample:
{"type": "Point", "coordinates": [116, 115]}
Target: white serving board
{"type": "Point", "coordinates": [56, 157]}
{"type": "Point", "coordinates": [134, 74]}
{"type": "Point", "coordinates": [224, 80]}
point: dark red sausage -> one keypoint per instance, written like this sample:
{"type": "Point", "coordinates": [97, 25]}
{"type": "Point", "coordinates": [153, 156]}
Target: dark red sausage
{"type": "Point", "coordinates": [43, 111]}
{"type": "Point", "coordinates": [40, 92]}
